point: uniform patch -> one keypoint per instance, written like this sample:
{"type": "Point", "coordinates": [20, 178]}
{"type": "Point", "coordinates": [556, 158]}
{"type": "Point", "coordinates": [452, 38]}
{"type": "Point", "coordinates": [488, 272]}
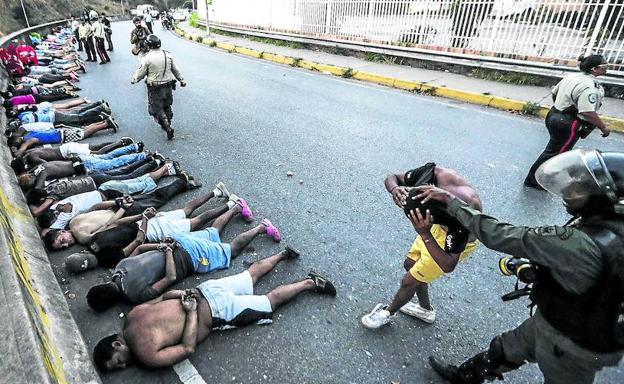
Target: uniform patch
{"type": "Point", "coordinates": [563, 233]}
{"type": "Point", "coordinates": [592, 98]}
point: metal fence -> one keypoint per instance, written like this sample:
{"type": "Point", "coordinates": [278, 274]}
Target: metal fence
{"type": "Point", "coordinates": [546, 31]}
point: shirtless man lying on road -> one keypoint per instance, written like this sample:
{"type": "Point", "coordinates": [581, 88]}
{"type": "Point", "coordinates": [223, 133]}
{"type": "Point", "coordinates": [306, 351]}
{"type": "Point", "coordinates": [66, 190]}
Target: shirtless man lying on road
{"type": "Point", "coordinates": [167, 330]}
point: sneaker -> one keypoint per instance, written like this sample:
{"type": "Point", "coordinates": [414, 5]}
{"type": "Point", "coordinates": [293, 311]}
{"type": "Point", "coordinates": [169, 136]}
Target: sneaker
{"type": "Point", "coordinates": [140, 145]}
{"type": "Point", "coordinates": [271, 230]}
{"type": "Point", "coordinates": [321, 284]}
{"type": "Point", "coordinates": [112, 124]}
{"type": "Point", "coordinates": [224, 191]}
{"type": "Point", "coordinates": [528, 183]}
{"type": "Point", "coordinates": [247, 214]}
{"type": "Point", "coordinates": [128, 140]}
{"type": "Point", "coordinates": [291, 253]}
{"type": "Point", "coordinates": [415, 310]}
{"type": "Point", "coordinates": [378, 317]}
{"type": "Point", "coordinates": [170, 134]}
{"type": "Point", "coordinates": [172, 169]}
{"type": "Point", "coordinates": [159, 156]}
{"type": "Point", "coordinates": [106, 108]}
{"type": "Point", "coordinates": [191, 183]}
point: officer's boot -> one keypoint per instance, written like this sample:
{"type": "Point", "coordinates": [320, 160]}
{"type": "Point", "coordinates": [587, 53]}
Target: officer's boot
{"type": "Point", "coordinates": [486, 365]}
{"type": "Point", "coordinates": [164, 124]}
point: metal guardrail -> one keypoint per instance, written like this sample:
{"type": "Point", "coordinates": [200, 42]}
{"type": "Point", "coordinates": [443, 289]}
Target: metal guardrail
{"type": "Point", "coordinates": [548, 32]}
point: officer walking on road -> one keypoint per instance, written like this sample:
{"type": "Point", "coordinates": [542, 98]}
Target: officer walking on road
{"type": "Point", "coordinates": [161, 72]}
{"type": "Point", "coordinates": [576, 270]}
{"type": "Point", "coordinates": [577, 97]}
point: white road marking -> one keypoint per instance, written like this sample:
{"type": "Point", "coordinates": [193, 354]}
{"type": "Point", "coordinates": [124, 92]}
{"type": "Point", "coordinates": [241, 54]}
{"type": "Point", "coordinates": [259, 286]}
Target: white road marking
{"type": "Point", "coordinates": [188, 373]}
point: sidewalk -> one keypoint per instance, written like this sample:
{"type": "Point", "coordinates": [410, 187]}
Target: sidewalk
{"type": "Point", "coordinates": [444, 84]}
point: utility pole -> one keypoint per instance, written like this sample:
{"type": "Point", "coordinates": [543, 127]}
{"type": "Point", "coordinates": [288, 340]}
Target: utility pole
{"type": "Point", "coordinates": [208, 2]}
{"type": "Point", "coordinates": [122, 7]}
{"type": "Point", "coordinates": [25, 17]}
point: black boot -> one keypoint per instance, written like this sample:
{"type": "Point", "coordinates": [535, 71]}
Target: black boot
{"type": "Point", "coordinates": [164, 124]}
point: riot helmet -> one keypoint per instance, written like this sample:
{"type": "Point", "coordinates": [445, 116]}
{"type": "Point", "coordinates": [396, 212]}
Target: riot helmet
{"type": "Point", "coordinates": [586, 180]}
{"type": "Point", "coordinates": [153, 42]}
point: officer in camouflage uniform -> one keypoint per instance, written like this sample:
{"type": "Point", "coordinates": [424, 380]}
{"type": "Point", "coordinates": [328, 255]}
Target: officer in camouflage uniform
{"type": "Point", "coordinates": [578, 326]}
{"type": "Point", "coordinates": [161, 72]}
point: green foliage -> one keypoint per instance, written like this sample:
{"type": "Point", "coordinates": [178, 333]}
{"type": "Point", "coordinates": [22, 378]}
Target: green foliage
{"type": "Point", "coordinates": [507, 77]}
{"type": "Point", "coordinates": [194, 20]}
{"type": "Point", "coordinates": [530, 108]}
{"type": "Point", "coordinates": [279, 43]}
{"type": "Point", "coordinates": [348, 73]}
{"type": "Point", "coordinates": [380, 58]}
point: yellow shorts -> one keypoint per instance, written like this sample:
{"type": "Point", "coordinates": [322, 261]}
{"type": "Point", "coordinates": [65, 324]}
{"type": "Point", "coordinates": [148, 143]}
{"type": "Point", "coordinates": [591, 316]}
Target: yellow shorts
{"type": "Point", "coordinates": [426, 269]}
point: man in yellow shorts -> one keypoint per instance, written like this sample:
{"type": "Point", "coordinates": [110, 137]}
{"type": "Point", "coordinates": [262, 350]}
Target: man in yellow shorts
{"type": "Point", "coordinates": [441, 242]}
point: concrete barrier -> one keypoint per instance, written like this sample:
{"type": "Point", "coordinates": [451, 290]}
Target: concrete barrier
{"type": "Point", "coordinates": [40, 340]}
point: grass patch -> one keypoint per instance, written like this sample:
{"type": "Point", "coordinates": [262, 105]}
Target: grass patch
{"type": "Point", "coordinates": [381, 58]}
{"type": "Point", "coordinates": [277, 42]}
{"type": "Point", "coordinates": [530, 109]}
{"type": "Point", "coordinates": [348, 73]}
{"type": "Point", "coordinates": [507, 77]}
{"type": "Point", "coordinates": [296, 61]}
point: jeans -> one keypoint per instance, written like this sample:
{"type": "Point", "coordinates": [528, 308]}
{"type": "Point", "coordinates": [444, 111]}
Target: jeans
{"type": "Point", "coordinates": [129, 168]}
{"type": "Point", "coordinates": [93, 163]}
{"type": "Point", "coordinates": [143, 184]}
{"type": "Point", "coordinates": [125, 150]}
{"type": "Point", "coordinates": [100, 178]}
{"type": "Point", "coordinates": [87, 117]}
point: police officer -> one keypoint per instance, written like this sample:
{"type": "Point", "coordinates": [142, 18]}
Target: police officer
{"type": "Point", "coordinates": [138, 36]}
{"type": "Point", "coordinates": [578, 326]}
{"type": "Point", "coordinates": [161, 72]}
{"type": "Point", "coordinates": [577, 99]}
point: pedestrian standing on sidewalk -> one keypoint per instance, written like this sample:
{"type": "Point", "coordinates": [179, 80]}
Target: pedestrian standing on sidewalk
{"type": "Point", "coordinates": [108, 30]}
{"type": "Point", "coordinates": [148, 21]}
{"type": "Point", "coordinates": [160, 73]}
{"type": "Point", "coordinates": [577, 97]}
{"type": "Point", "coordinates": [75, 24]}
{"type": "Point", "coordinates": [87, 41]}
{"type": "Point", "coordinates": [99, 34]}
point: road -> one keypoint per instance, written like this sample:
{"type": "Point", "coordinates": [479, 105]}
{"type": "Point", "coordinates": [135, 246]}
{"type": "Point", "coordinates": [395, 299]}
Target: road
{"type": "Point", "coordinates": [248, 122]}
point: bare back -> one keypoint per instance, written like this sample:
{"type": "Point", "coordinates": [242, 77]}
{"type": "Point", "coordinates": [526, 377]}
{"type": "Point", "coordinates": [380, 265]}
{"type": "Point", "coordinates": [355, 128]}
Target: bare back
{"type": "Point", "coordinates": [86, 224]}
{"type": "Point", "coordinates": [152, 327]}
{"type": "Point", "coordinates": [449, 180]}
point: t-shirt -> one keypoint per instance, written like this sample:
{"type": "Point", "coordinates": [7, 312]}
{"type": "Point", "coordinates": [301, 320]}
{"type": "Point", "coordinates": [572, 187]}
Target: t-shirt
{"type": "Point", "coordinates": [80, 203]}
{"type": "Point", "coordinates": [138, 273]}
{"type": "Point", "coordinates": [45, 113]}
{"type": "Point", "coordinates": [204, 248]}
{"type": "Point", "coordinates": [52, 136]}
{"type": "Point", "coordinates": [62, 189]}
{"type": "Point", "coordinates": [73, 149]}
{"type": "Point", "coordinates": [147, 18]}
{"type": "Point", "coordinates": [38, 126]}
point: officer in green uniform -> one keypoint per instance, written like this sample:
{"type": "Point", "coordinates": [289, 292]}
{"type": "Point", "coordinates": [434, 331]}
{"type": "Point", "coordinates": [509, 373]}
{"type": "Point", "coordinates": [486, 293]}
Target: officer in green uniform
{"type": "Point", "coordinates": [578, 326]}
{"type": "Point", "coordinates": [160, 73]}
{"type": "Point", "coordinates": [577, 97]}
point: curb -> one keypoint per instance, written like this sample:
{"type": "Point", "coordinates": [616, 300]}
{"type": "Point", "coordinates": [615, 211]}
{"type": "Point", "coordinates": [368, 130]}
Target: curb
{"type": "Point", "coordinates": [498, 102]}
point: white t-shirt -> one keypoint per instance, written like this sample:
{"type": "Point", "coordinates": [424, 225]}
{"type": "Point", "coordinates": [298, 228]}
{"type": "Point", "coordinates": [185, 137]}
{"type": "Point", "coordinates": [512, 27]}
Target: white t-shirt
{"type": "Point", "coordinates": [39, 126]}
{"type": "Point", "coordinates": [74, 149]}
{"type": "Point", "coordinates": [147, 17]}
{"type": "Point", "coordinates": [81, 203]}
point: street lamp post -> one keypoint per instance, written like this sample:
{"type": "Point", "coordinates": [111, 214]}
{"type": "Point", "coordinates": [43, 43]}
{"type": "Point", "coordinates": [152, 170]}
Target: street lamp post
{"type": "Point", "coordinates": [24, 10]}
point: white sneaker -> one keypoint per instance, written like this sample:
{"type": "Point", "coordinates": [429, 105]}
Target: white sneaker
{"type": "Point", "coordinates": [223, 189]}
{"type": "Point", "coordinates": [379, 316]}
{"type": "Point", "coordinates": [415, 310]}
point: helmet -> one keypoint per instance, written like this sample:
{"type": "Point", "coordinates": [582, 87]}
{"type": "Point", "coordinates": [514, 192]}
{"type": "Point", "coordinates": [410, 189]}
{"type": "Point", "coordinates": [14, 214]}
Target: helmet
{"type": "Point", "coordinates": [153, 42]}
{"type": "Point", "coordinates": [582, 177]}
{"type": "Point", "coordinates": [135, 19]}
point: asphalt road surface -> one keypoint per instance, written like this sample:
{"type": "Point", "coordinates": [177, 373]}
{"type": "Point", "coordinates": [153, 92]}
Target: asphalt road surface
{"type": "Point", "coordinates": [248, 122]}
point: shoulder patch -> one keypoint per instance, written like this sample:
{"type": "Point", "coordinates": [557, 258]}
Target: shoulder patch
{"type": "Point", "coordinates": [563, 233]}
{"type": "Point", "coordinates": [592, 98]}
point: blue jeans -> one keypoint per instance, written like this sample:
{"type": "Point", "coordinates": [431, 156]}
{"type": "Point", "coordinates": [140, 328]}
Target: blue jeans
{"type": "Point", "coordinates": [93, 163]}
{"type": "Point", "coordinates": [143, 184]}
{"type": "Point", "coordinates": [131, 148]}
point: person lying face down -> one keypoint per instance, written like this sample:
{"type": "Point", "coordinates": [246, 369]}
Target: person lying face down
{"type": "Point", "coordinates": [153, 267]}
{"type": "Point", "coordinates": [97, 217]}
{"type": "Point", "coordinates": [167, 330]}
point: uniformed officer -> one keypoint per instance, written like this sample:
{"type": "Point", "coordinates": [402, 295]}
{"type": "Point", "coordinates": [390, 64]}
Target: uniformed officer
{"type": "Point", "coordinates": [161, 72]}
{"type": "Point", "coordinates": [138, 36]}
{"type": "Point", "coordinates": [578, 326]}
{"type": "Point", "coordinates": [577, 97]}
